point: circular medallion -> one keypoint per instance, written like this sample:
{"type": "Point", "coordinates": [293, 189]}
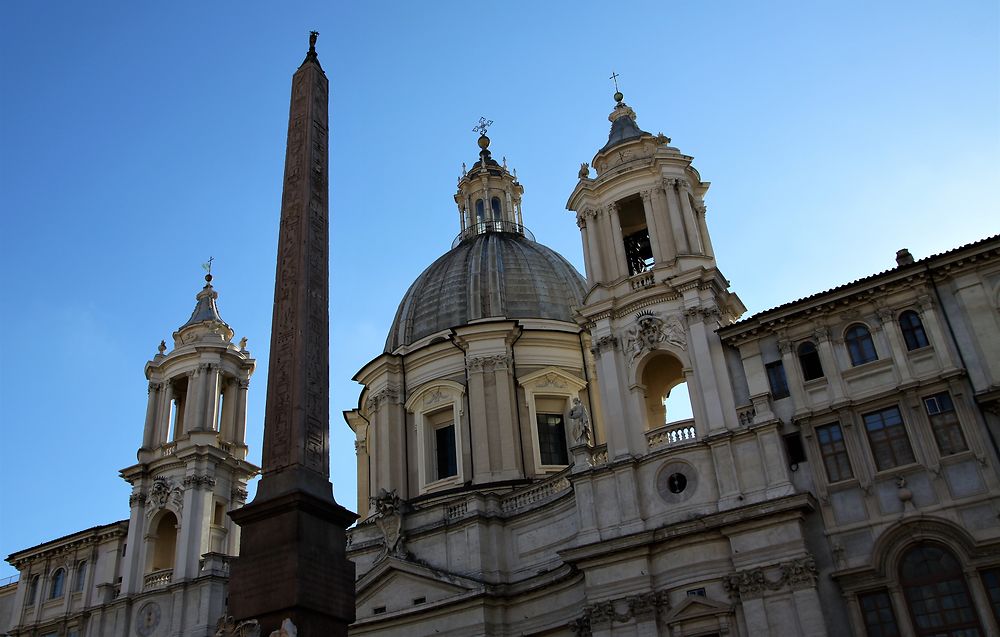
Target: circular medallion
{"type": "Point", "coordinates": [676, 481]}
{"type": "Point", "coordinates": [147, 619]}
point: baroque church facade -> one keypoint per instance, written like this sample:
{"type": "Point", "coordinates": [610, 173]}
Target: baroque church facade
{"type": "Point", "coordinates": [522, 467]}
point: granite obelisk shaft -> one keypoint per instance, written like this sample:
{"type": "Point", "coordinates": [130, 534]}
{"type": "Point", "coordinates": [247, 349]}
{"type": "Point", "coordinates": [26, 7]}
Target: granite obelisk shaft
{"type": "Point", "coordinates": [292, 559]}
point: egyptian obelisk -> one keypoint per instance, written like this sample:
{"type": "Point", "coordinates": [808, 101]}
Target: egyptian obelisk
{"type": "Point", "coordinates": [292, 561]}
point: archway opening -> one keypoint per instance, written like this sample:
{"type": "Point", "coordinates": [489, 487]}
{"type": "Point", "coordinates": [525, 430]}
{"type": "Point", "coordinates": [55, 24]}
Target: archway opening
{"type": "Point", "coordinates": [165, 543]}
{"type": "Point", "coordinates": [936, 592]}
{"type": "Point", "coordinates": [666, 392]}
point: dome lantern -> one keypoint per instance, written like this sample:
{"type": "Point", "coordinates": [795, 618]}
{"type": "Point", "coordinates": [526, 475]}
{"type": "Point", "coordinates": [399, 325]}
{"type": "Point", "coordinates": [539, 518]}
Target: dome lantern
{"type": "Point", "coordinates": [489, 195]}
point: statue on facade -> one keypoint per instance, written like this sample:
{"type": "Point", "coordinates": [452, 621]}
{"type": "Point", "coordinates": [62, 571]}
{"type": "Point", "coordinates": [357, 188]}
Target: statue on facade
{"type": "Point", "coordinates": [584, 171]}
{"type": "Point", "coordinates": [582, 433]}
{"type": "Point", "coordinates": [389, 521]}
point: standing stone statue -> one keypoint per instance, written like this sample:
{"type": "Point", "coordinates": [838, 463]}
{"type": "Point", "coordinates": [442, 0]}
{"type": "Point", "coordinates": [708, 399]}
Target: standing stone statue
{"type": "Point", "coordinates": [582, 433]}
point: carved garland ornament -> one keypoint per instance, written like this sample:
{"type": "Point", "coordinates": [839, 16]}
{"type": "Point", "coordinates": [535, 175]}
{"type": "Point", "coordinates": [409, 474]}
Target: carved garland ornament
{"type": "Point", "coordinates": [381, 397]}
{"type": "Point", "coordinates": [489, 363]}
{"type": "Point", "coordinates": [607, 612]}
{"type": "Point", "coordinates": [753, 582]}
{"type": "Point", "coordinates": [163, 494]}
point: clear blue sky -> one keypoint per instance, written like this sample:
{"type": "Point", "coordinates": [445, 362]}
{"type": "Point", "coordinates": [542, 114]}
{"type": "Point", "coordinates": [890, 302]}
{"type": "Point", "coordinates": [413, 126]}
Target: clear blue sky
{"type": "Point", "coordinates": [137, 139]}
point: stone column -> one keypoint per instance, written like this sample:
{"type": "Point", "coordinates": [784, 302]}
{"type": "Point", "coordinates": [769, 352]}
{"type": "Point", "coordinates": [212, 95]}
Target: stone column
{"type": "Point", "coordinates": [240, 412]}
{"type": "Point", "coordinates": [581, 223]}
{"type": "Point", "coordinates": [674, 212]}
{"type": "Point", "coordinates": [210, 400]}
{"type": "Point", "coordinates": [593, 246]}
{"type": "Point", "coordinates": [506, 404]}
{"type": "Point", "coordinates": [651, 225]}
{"type": "Point", "coordinates": [941, 343]}
{"type": "Point", "coordinates": [694, 236]}
{"type": "Point", "coordinates": [701, 360]}
{"type": "Point", "coordinates": [661, 210]}
{"type": "Point", "coordinates": [618, 242]}
{"type": "Point", "coordinates": [152, 404]}
{"type": "Point", "coordinates": [227, 430]}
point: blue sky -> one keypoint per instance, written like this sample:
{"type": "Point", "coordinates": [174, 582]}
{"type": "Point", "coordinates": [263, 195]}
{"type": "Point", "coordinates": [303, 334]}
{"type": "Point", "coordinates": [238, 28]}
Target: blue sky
{"type": "Point", "coordinates": [138, 139]}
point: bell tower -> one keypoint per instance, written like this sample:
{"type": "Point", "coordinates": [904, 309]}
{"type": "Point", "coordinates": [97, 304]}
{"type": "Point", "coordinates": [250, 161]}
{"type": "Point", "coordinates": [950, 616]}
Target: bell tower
{"type": "Point", "coordinates": [655, 294]}
{"type": "Point", "coordinates": [192, 466]}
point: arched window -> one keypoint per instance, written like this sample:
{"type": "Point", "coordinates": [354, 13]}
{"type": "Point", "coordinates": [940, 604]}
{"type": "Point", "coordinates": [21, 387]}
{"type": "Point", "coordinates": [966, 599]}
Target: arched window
{"type": "Point", "coordinates": [32, 591]}
{"type": "Point", "coordinates": [495, 205]}
{"type": "Point", "coordinates": [812, 368]}
{"type": "Point", "coordinates": [480, 211]}
{"type": "Point", "coordinates": [913, 330]}
{"type": "Point", "coordinates": [937, 594]}
{"type": "Point", "coordinates": [58, 584]}
{"type": "Point", "coordinates": [81, 576]}
{"type": "Point", "coordinates": [860, 345]}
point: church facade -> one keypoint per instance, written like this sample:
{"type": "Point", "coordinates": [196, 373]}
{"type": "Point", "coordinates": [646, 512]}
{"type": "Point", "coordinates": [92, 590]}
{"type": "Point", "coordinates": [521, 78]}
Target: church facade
{"type": "Point", "coordinates": [622, 453]}
{"type": "Point", "coordinates": [524, 467]}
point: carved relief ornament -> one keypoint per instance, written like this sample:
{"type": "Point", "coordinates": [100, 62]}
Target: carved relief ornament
{"type": "Point", "coordinates": [754, 582]}
{"type": "Point", "coordinates": [649, 331]}
{"type": "Point", "coordinates": [488, 363]}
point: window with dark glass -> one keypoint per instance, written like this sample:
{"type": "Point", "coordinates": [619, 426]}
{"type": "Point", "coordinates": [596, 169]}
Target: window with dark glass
{"type": "Point", "coordinates": [58, 584]}
{"type": "Point", "coordinates": [834, 452]}
{"type": "Point", "coordinates": [32, 591]}
{"type": "Point", "coordinates": [776, 379]}
{"type": "Point", "coordinates": [809, 361]}
{"type": "Point", "coordinates": [991, 582]}
{"type": "Point", "coordinates": [480, 211]}
{"type": "Point", "coordinates": [860, 345]}
{"type": "Point", "coordinates": [795, 451]}
{"type": "Point", "coordinates": [944, 423]}
{"type": "Point", "coordinates": [446, 458]}
{"type": "Point", "coordinates": [81, 576]}
{"type": "Point", "coordinates": [913, 330]}
{"type": "Point", "coordinates": [552, 439]}
{"type": "Point", "coordinates": [495, 205]}
{"type": "Point", "coordinates": [937, 594]}
{"type": "Point", "coordinates": [876, 610]}
{"type": "Point", "coordinates": [887, 437]}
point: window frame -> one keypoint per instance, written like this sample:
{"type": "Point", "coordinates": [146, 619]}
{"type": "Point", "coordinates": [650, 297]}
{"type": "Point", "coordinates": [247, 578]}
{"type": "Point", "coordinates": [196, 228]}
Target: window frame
{"type": "Point", "coordinates": [913, 333]}
{"type": "Point", "coordinates": [550, 383]}
{"type": "Point", "coordinates": [857, 344]}
{"type": "Point", "coordinates": [909, 586]}
{"type": "Point", "coordinates": [837, 453]}
{"type": "Point", "coordinates": [813, 354]}
{"type": "Point", "coordinates": [775, 372]}
{"type": "Point", "coordinates": [898, 432]}
{"type": "Point", "coordinates": [80, 576]}
{"type": "Point", "coordinates": [941, 424]}
{"type": "Point", "coordinates": [882, 622]}
{"type": "Point", "coordinates": [57, 581]}
{"type": "Point", "coordinates": [424, 404]}
{"type": "Point", "coordinates": [539, 415]}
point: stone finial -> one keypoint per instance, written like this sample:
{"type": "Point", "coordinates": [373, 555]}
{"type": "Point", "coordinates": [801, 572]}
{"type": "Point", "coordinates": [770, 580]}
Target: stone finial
{"type": "Point", "coordinates": [903, 257]}
{"type": "Point", "coordinates": [243, 344]}
{"type": "Point", "coordinates": [162, 347]}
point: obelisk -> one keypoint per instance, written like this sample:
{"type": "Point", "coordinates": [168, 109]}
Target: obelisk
{"type": "Point", "coordinates": [292, 560]}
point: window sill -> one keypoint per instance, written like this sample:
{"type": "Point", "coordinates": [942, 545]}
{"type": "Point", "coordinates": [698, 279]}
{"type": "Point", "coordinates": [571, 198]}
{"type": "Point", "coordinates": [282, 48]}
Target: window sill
{"type": "Point", "coordinates": [843, 485]}
{"type": "Point", "coordinates": [443, 483]}
{"type": "Point", "coordinates": [893, 472]}
{"type": "Point", "coordinates": [814, 382]}
{"type": "Point", "coordinates": [866, 369]}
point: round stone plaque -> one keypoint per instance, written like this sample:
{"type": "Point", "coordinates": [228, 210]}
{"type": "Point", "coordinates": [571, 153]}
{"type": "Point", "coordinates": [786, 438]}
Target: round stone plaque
{"type": "Point", "coordinates": [147, 619]}
{"type": "Point", "coordinates": [676, 481]}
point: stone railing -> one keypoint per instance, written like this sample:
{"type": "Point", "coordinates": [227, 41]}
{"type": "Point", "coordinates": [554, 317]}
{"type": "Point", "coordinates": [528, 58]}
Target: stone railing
{"type": "Point", "coordinates": [157, 579]}
{"type": "Point", "coordinates": [642, 280]}
{"type": "Point", "coordinates": [523, 498]}
{"type": "Point", "coordinates": [457, 510]}
{"type": "Point", "coordinates": [746, 414]}
{"type": "Point", "coordinates": [672, 433]}
{"type": "Point", "coordinates": [168, 449]}
{"type": "Point", "coordinates": [226, 447]}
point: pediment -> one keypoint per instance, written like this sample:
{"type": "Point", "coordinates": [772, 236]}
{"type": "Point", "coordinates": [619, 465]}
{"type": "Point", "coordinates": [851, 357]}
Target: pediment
{"type": "Point", "coordinates": [394, 584]}
{"type": "Point", "coordinates": [697, 607]}
{"type": "Point", "coordinates": [552, 377]}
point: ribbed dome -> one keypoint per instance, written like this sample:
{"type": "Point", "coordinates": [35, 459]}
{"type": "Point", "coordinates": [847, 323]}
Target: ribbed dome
{"type": "Point", "coordinates": [496, 274]}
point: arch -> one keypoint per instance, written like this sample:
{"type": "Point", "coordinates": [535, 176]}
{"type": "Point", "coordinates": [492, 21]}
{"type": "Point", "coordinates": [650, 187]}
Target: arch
{"type": "Point", "coordinates": [480, 211]}
{"type": "Point", "coordinates": [663, 382]}
{"type": "Point", "coordinates": [58, 585]}
{"type": "Point", "coordinates": [860, 346]}
{"type": "Point", "coordinates": [496, 209]}
{"type": "Point", "coordinates": [889, 547]}
{"type": "Point", "coordinates": [162, 542]}
{"type": "Point", "coordinates": [936, 591]}
{"type": "Point", "coordinates": [81, 576]}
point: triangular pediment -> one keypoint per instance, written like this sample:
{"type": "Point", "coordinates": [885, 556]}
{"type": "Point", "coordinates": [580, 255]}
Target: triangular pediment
{"type": "Point", "coordinates": [395, 585]}
{"type": "Point", "coordinates": [696, 607]}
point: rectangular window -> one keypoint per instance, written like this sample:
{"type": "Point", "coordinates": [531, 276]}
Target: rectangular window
{"type": "Point", "coordinates": [876, 608]}
{"type": "Point", "coordinates": [944, 423]}
{"type": "Point", "coordinates": [552, 439]}
{"type": "Point", "coordinates": [776, 378]}
{"type": "Point", "coordinates": [834, 452]}
{"type": "Point", "coordinates": [794, 450]}
{"type": "Point", "coordinates": [991, 582]}
{"type": "Point", "coordinates": [444, 449]}
{"type": "Point", "coordinates": [887, 436]}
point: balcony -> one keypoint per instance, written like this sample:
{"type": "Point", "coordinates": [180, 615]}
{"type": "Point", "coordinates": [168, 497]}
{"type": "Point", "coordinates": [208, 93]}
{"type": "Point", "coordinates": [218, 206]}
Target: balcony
{"type": "Point", "coordinates": [157, 579]}
{"type": "Point", "coordinates": [672, 433]}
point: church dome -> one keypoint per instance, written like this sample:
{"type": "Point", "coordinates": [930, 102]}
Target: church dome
{"type": "Point", "coordinates": [493, 274]}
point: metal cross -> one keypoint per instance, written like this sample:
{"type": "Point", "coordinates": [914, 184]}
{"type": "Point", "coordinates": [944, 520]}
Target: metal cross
{"type": "Point", "coordinates": [208, 266]}
{"type": "Point", "coordinates": [484, 124]}
{"type": "Point", "coordinates": [614, 77]}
